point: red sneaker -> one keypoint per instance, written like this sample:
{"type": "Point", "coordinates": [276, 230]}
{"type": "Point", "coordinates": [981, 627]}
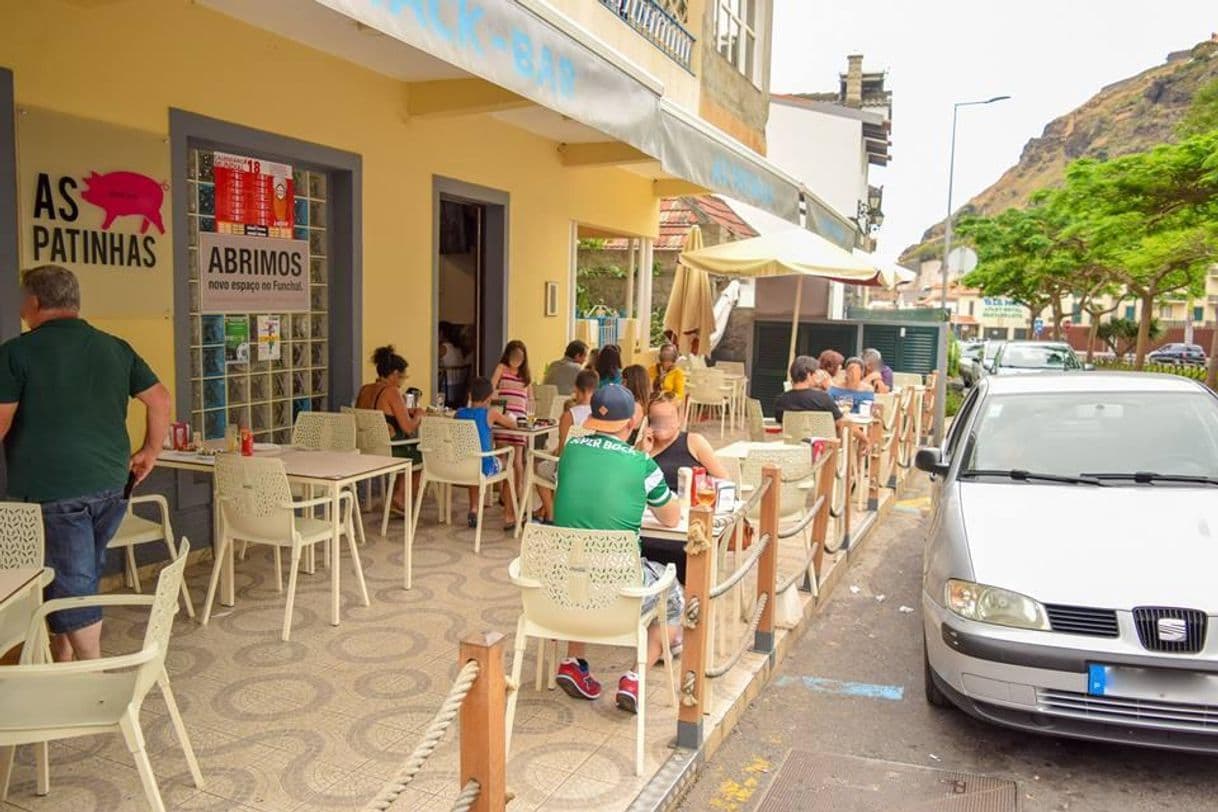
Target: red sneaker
{"type": "Point", "coordinates": [577, 681]}
{"type": "Point", "coordinates": [628, 693]}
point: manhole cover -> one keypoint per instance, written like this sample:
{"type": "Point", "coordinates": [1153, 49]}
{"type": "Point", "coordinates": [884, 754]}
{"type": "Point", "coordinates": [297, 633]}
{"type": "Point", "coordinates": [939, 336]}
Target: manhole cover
{"type": "Point", "coordinates": [823, 781]}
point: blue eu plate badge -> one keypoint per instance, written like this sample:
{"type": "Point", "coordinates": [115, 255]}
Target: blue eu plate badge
{"type": "Point", "coordinates": [1097, 679]}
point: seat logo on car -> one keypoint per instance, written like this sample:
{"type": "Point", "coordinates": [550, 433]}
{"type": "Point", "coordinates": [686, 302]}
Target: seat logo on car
{"type": "Point", "coordinates": [1172, 629]}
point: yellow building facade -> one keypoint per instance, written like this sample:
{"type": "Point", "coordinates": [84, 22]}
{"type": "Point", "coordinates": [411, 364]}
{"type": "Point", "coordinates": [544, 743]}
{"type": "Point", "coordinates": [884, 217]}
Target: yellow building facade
{"type": "Point", "coordinates": [375, 131]}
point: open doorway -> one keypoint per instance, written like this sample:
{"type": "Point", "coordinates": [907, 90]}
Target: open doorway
{"type": "Point", "coordinates": [471, 284]}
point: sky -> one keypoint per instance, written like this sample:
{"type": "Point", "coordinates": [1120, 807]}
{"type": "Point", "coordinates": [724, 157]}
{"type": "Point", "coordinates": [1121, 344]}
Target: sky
{"type": "Point", "coordinates": [1050, 56]}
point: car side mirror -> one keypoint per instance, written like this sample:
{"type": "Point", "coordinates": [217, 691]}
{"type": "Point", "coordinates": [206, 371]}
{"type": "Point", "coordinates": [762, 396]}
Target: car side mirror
{"type": "Point", "coordinates": [931, 461]}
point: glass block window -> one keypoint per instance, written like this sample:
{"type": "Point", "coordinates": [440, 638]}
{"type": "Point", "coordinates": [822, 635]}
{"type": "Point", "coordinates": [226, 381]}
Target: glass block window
{"type": "Point", "coordinates": [266, 395]}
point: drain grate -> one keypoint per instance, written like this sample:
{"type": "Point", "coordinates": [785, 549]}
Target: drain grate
{"type": "Point", "coordinates": [824, 781]}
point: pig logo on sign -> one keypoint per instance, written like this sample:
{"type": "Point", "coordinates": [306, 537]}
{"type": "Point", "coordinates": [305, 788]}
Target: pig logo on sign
{"type": "Point", "coordinates": [121, 193]}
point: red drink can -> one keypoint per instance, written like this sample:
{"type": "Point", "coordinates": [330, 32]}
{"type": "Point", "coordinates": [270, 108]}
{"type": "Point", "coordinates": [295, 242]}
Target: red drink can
{"type": "Point", "coordinates": [818, 448]}
{"type": "Point", "coordinates": [247, 443]}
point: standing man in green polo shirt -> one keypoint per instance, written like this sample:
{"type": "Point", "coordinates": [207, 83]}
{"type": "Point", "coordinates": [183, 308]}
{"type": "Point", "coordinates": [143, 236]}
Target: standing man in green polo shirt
{"type": "Point", "coordinates": [605, 484]}
{"type": "Point", "coordinates": [64, 389]}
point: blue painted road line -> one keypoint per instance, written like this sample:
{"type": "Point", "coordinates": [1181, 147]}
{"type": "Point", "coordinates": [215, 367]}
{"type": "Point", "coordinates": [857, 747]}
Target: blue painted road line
{"type": "Point", "coordinates": [842, 688]}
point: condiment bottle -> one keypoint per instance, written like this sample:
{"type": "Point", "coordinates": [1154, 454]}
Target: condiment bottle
{"type": "Point", "coordinates": [685, 485]}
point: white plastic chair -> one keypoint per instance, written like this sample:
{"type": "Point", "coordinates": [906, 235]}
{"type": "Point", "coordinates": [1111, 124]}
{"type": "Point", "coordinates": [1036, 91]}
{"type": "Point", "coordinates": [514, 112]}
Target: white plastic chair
{"type": "Point", "coordinates": [755, 420]}
{"type": "Point", "coordinates": [534, 478]}
{"type": "Point", "coordinates": [453, 455]}
{"type": "Point", "coordinates": [796, 484]}
{"type": "Point", "coordinates": [799, 426]}
{"type": "Point", "coordinates": [708, 389]}
{"type": "Point", "coordinates": [256, 506]}
{"type": "Point", "coordinates": [22, 544]}
{"type": "Point", "coordinates": [586, 586]}
{"type": "Point", "coordinates": [544, 395]}
{"type": "Point", "coordinates": [372, 437]}
{"type": "Point", "coordinates": [136, 530]}
{"type": "Point", "coordinates": [903, 379]}
{"type": "Point", "coordinates": [42, 702]}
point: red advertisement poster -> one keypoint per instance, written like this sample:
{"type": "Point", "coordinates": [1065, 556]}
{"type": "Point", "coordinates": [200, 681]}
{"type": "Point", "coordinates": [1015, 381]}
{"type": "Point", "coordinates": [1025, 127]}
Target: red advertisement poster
{"type": "Point", "coordinates": [253, 197]}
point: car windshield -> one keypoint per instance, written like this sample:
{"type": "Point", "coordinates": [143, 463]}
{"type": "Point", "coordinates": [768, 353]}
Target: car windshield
{"type": "Point", "coordinates": [1031, 356]}
{"type": "Point", "coordinates": [973, 351]}
{"type": "Point", "coordinates": [1074, 433]}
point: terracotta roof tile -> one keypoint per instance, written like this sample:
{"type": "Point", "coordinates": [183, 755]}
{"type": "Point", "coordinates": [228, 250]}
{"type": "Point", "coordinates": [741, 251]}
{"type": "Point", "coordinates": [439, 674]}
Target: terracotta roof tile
{"type": "Point", "coordinates": [677, 214]}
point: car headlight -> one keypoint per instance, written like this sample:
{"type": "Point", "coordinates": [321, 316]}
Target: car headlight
{"type": "Point", "coordinates": [989, 604]}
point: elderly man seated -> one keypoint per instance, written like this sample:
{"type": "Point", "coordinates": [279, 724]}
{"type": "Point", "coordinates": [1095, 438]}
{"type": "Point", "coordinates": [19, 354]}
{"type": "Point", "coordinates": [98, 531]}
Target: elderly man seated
{"type": "Point", "coordinates": [605, 484]}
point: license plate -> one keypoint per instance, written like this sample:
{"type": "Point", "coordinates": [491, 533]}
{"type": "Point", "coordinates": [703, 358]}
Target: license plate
{"type": "Point", "coordinates": [1156, 684]}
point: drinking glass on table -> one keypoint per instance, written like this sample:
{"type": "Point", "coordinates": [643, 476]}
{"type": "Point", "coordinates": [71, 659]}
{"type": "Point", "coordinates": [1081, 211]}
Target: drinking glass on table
{"type": "Point", "coordinates": [704, 491]}
{"type": "Point", "coordinates": [530, 409]}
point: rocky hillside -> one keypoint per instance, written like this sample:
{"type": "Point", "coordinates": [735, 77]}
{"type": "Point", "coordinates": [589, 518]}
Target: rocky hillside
{"type": "Point", "coordinates": [1127, 116]}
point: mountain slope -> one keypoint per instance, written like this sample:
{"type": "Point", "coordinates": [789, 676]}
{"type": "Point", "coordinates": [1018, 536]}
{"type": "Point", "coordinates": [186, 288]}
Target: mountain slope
{"type": "Point", "coordinates": [1131, 115]}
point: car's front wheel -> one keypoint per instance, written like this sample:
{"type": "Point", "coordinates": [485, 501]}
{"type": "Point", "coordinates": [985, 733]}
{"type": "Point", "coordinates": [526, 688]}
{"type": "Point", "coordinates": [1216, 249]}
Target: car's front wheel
{"type": "Point", "coordinates": [934, 696]}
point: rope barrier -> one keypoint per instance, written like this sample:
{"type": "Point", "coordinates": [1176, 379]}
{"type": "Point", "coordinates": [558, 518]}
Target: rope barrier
{"type": "Point", "coordinates": [752, 502]}
{"type": "Point", "coordinates": [431, 739]}
{"type": "Point", "coordinates": [745, 642]}
{"type": "Point", "coordinates": [796, 529]}
{"type": "Point", "coordinates": [469, 794]}
{"type": "Point", "coordinates": [787, 583]}
{"type": "Point", "coordinates": [733, 579]}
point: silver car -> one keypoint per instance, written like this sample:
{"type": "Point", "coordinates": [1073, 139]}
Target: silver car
{"type": "Point", "coordinates": [1023, 357]}
{"type": "Point", "coordinates": [1071, 570]}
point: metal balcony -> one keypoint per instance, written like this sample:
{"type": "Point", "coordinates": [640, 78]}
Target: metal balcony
{"type": "Point", "coordinates": [658, 26]}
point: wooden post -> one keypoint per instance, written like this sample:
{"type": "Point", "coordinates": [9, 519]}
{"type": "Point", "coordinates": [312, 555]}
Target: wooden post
{"type": "Point", "coordinates": [928, 405]}
{"type": "Point", "coordinates": [691, 679]}
{"type": "Point", "coordinates": [824, 489]}
{"type": "Point", "coordinates": [894, 443]}
{"type": "Point", "coordinates": [875, 439]}
{"type": "Point", "coordinates": [483, 757]}
{"type": "Point", "coordinates": [767, 565]}
{"type": "Point", "coordinates": [848, 497]}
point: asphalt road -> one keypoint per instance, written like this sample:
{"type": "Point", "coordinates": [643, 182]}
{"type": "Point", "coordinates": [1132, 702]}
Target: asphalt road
{"type": "Point", "coordinates": [853, 686]}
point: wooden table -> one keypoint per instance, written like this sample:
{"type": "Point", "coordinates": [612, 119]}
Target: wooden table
{"type": "Point", "coordinates": [331, 471]}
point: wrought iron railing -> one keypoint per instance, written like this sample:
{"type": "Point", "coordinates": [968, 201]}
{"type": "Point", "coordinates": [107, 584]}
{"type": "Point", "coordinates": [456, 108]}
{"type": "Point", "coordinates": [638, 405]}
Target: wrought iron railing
{"type": "Point", "coordinates": [662, 29]}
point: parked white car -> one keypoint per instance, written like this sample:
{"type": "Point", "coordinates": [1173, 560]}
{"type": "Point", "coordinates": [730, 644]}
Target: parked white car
{"type": "Point", "coordinates": [1068, 580]}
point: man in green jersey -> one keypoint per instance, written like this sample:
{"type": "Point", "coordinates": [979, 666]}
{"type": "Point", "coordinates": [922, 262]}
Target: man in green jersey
{"type": "Point", "coordinates": [605, 484]}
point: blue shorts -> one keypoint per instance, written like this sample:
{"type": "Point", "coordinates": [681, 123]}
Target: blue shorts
{"type": "Point", "coordinates": [77, 532]}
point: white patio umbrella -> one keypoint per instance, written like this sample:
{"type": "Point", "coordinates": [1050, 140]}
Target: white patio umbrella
{"type": "Point", "coordinates": [792, 251]}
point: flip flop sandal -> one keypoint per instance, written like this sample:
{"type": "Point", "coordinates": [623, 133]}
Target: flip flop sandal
{"type": "Point", "coordinates": [471, 519]}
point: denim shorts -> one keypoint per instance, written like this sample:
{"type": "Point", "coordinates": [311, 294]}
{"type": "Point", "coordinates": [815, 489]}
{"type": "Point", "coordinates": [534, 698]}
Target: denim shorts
{"type": "Point", "coordinates": [77, 532]}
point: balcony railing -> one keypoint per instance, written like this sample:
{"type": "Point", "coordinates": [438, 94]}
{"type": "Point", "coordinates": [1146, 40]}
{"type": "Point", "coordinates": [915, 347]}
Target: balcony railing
{"type": "Point", "coordinates": [657, 25]}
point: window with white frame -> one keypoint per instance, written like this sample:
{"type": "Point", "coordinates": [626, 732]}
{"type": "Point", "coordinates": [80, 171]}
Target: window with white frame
{"type": "Point", "coordinates": [736, 23]}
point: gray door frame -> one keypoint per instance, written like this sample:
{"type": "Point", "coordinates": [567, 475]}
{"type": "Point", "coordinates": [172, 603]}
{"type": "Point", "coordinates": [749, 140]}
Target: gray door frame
{"type": "Point", "coordinates": [344, 228]}
{"type": "Point", "coordinates": [494, 271]}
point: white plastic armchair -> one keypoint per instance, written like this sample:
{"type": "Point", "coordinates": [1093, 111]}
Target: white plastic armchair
{"type": "Point", "coordinates": [256, 506]}
{"type": "Point", "coordinates": [22, 544]}
{"type": "Point", "coordinates": [799, 426]}
{"type": "Point", "coordinates": [372, 437]}
{"type": "Point", "coordinates": [587, 586]}
{"type": "Point", "coordinates": [542, 475]}
{"type": "Point", "coordinates": [708, 389]}
{"type": "Point", "coordinates": [453, 455]}
{"type": "Point", "coordinates": [42, 702]}
{"type": "Point", "coordinates": [544, 395]}
{"type": "Point", "coordinates": [903, 379]}
{"type": "Point", "coordinates": [889, 405]}
{"type": "Point", "coordinates": [136, 530]}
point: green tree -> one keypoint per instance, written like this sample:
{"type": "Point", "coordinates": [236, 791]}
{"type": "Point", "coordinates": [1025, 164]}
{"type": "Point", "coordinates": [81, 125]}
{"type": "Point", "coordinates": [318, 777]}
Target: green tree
{"type": "Point", "coordinates": [1020, 256]}
{"type": "Point", "coordinates": [1151, 218]}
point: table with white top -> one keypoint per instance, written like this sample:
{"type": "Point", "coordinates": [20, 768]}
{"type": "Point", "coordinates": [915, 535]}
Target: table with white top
{"type": "Point", "coordinates": [329, 471]}
{"type": "Point", "coordinates": [16, 585]}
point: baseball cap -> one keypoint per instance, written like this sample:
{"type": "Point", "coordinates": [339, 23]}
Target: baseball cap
{"type": "Point", "coordinates": [612, 409]}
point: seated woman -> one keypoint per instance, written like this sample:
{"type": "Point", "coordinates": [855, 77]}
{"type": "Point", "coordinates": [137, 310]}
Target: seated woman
{"type": "Point", "coordinates": [854, 389]}
{"type": "Point", "coordinates": [634, 378]}
{"type": "Point", "coordinates": [385, 395]}
{"type": "Point", "coordinates": [673, 449]}
{"type": "Point", "coordinates": [829, 374]}
{"type": "Point", "coordinates": [666, 376]}
{"type": "Point", "coordinates": [609, 364]}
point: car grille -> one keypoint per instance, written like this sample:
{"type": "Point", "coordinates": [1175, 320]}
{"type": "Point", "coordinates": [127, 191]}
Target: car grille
{"type": "Point", "coordinates": [1146, 620]}
{"type": "Point", "coordinates": [1136, 712]}
{"type": "Point", "coordinates": [1083, 620]}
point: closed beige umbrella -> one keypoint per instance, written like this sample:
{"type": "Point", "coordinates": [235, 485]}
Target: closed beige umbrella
{"type": "Point", "coordinates": [690, 314]}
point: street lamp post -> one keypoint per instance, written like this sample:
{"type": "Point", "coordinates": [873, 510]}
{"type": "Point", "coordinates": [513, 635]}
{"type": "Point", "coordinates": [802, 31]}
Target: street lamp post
{"type": "Point", "coordinates": [947, 247]}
